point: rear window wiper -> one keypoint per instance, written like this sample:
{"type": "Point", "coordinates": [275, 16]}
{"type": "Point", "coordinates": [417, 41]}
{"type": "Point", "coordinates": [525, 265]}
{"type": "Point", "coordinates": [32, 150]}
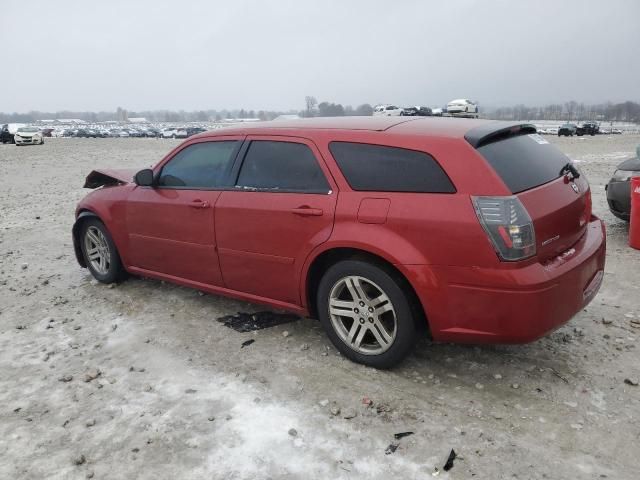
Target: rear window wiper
{"type": "Point", "coordinates": [570, 169]}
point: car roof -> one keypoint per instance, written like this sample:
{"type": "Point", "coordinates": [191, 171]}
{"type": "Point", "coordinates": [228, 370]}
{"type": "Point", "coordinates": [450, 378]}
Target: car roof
{"type": "Point", "coordinates": [426, 126]}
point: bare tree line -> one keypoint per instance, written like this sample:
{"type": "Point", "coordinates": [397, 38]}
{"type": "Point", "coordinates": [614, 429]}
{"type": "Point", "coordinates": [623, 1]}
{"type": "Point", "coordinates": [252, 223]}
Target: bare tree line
{"type": "Point", "coordinates": [570, 111]}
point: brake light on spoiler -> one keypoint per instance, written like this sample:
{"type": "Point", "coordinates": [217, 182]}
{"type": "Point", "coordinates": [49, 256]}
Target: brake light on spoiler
{"type": "Point", "coordinates": [508, 226]}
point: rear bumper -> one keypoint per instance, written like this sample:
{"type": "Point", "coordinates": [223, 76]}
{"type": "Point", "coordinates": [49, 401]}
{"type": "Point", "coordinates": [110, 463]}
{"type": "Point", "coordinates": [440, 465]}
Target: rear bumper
{"type": "Point", "coordinates": [511, 305]}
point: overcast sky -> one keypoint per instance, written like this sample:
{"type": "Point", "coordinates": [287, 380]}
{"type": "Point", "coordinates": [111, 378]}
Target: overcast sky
{"type": "Point", "coordinates": [269, 54]}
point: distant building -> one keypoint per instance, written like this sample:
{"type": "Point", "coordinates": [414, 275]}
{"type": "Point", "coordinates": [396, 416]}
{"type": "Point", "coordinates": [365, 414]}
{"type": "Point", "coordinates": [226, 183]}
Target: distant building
{"type": "Point", "coordinates": [287, 117]}
{"type": "Point", "coordinates": [122, 115]}
{"type": "Point", "coordinates": [70, 120]}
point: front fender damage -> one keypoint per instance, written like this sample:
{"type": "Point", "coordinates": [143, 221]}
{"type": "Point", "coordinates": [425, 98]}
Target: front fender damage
{"type": "Point", "coordinates": [106, 177]}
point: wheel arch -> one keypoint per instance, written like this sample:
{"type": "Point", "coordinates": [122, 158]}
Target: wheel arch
{"type": "Point", "coordinates": [330, 256]}
{"type": "Point", "coordinates": [83, 215]}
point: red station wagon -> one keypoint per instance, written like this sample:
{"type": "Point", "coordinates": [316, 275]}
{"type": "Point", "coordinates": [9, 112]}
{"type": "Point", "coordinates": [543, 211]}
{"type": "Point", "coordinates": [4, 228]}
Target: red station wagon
{"type": "Point", "coordinates": [480, 230]}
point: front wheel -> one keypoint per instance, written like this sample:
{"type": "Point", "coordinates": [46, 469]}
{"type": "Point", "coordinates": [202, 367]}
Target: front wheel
{"type": "Point", "coordinates": [366, 312]}
{"type": "Point", "coordinates": [100, 253]}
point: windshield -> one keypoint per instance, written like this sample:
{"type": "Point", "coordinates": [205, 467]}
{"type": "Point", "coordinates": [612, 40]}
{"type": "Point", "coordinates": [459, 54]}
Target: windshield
{"type": "Point", "coordinates": [28, 129]}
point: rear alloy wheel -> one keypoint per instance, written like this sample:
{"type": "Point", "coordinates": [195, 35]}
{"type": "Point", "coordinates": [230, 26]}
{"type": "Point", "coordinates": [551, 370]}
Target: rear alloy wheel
{"type": "Point", "coordinates": [100, 254]}
{"type": "Point", "coordinates": [366, 313]}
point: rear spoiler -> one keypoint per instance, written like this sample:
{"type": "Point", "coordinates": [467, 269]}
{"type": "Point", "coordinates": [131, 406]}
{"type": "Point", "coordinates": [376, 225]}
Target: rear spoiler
{"type": "Point", "coordinates": [494, 131]}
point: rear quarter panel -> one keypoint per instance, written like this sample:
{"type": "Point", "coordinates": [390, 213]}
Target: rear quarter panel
{"type": "Point", "coordinates": [420, 228]}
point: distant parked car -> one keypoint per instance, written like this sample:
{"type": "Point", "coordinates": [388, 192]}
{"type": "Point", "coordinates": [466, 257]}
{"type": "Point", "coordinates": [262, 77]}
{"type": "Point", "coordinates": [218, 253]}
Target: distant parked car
{"type": "Point", "coordinates": [195, 130]}
{"type": "Point", "coordinates": [552, 130]}
{"type": "Point", "coordinates": [135, 133]}
{"type": "Point", "coordinates": [588, 128]}
{"type": "Point", "coordinates": [461, 106]}
{"type": "Point", "coordinates": [28, 136]}
{"type": "Point", "coordinates": [567, 130]}
{"type": "Point", "coordinates": [416, 111]}
{"type": "Point", "coordinates": [619, 187]}
{"type": "Point", "coordinates": [153, 133]}
{"type": "Point", "coordinates": [9, 130]}
{"type": "Point", "coordinates": [47, 132]}
{"type": "Point", "coordinates": [616, 131]}
{"type": "Point", "coordinates": [169, 132]}
{"type": "Point", "coordinates": [437, 112]}
{"type": "Point", "coordinates": [181, 133]}
{"type": "Point", "coordinates": [87, 133]}
{"type": "Point", "coordinates": [387, 111]}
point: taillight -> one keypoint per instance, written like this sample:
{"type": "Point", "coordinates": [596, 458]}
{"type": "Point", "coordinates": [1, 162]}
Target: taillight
{"type": "Point", "coordinates": [508, 226]}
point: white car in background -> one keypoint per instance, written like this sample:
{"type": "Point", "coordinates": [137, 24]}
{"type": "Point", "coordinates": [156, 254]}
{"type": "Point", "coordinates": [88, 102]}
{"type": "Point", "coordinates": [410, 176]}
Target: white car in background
{"type": "Point", "coordinates": [462, 106]}
{"type": "Point", "coordinates": [387, 111]}
{"type": "Point", "coordinates": [28, 136]}
{"type": "Point", "coordinates": [552, 131]}
{"type": "Point", "coordinates": [169, 133]}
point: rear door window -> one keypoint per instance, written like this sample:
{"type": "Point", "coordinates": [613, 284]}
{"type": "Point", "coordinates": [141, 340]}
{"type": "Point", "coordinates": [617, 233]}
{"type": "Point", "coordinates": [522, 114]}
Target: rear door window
{"type": "Point", "coordinates": [524, 161]}
{"type": "Point", "coordinates": [281, 166]}
{"type": "Point", "coordinates": [201, 165]}
{"type": "Point", "coordinates": [389, 169]}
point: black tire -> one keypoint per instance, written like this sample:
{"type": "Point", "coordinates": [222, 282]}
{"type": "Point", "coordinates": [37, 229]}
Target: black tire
{"type": "Point", "coordinates": [396, 290]}
{"type": "Point", "coordinates": [115, 271]}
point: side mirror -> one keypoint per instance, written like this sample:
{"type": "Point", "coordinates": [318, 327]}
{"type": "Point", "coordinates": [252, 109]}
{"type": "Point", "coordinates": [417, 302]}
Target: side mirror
{"type": "Point", "coordinates": [144, 178]}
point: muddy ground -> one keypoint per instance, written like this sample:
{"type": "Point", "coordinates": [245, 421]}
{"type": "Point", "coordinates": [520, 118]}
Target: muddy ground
{"type": "Point", "coordinates": [175, 395]}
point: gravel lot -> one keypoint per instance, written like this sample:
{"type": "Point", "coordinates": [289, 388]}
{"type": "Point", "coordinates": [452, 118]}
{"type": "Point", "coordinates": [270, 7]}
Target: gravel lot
{"type": "Point", "coordinates": [142, 381]}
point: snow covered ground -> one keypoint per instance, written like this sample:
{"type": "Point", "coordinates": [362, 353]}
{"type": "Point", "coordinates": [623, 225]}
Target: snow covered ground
{"type": "Point", "coordinates": [142, 381]}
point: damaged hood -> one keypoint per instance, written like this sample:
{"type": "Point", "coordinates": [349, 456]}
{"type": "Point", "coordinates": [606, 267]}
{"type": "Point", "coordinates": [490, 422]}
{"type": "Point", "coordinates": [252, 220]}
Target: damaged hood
{"type": "Point", "coordinates": [109, 176]}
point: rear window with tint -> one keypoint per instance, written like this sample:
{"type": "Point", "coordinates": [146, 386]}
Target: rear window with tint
{"type": "Point", "coordinates": [524, 161]}
{"type": "Point", "coordinates": [389, 169]}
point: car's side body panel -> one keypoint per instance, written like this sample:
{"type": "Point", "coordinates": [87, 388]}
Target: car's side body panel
{"type": "Point", "coordinates": [264, 236]}
{"type": "Point", "coordinates": [172, 231]}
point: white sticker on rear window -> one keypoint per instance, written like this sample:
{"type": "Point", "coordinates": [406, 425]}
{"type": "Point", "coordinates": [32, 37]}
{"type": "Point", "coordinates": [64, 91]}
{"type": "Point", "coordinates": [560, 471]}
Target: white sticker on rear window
{"type": "Point", "coordinates": [538, 139]}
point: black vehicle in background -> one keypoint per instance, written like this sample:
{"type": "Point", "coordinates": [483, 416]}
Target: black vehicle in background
{"type": "Point", "coordinates": [86, 133]}
{"type": "Point", "coordinates": [619, 187]}
{"type": "Point", "coordinates": [416, 111]}
{"type": "Point", "coordinates": [5, 135]}
{"type": "Point", "coordinates": [195, 130]}
{"type": "Point", "coordinates": [588, 128]}
{"type": "Point", "coordinates": [152, 133]}
{"type": "Point", "coordinates": [567, 130]}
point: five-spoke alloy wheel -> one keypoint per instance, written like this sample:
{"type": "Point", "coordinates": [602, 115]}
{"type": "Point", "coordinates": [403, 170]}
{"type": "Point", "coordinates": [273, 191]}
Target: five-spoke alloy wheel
{"type": "Point", "coordinates": [366, 312]}
{"type": "Point", "coordinates": [362, 315]}
{"type": "Point", "coordinates": [99, 251]}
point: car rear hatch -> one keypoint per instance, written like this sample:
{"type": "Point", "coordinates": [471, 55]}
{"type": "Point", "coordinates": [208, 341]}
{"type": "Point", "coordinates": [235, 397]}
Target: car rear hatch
{"type": "Point", "coordinates": [554, 193]}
